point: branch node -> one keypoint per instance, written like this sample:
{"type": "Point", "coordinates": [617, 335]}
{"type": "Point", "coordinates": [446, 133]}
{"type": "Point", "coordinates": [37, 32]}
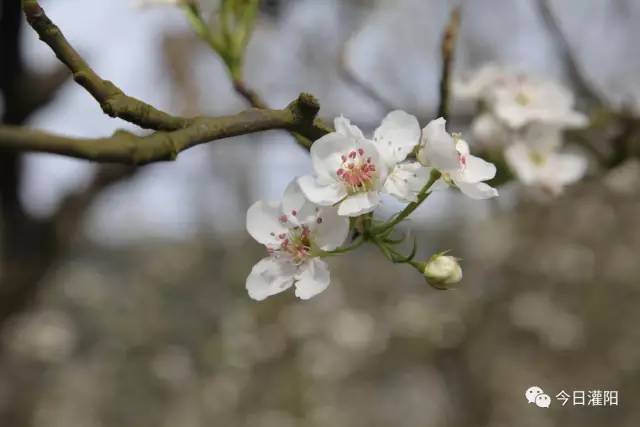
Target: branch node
{"type": "Point", "coordinates": [305, 107]}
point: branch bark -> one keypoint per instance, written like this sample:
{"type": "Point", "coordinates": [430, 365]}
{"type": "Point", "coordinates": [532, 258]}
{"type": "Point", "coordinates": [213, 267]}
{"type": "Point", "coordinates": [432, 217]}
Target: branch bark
{"type": "Point", "coordinates": [127, 148]}
{"type": "Point", "coordinates": [174, 135]}
{"type": "Point", "coordinates": [447, 48]}
{"type": "Point", "coordinates": [112, 100]}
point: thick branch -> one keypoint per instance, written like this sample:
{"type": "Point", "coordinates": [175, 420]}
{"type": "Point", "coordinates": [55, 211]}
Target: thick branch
{"type": "Point", "coordinates": [112, 100]}
{"type": "Point", "coordinates": [127, 148]}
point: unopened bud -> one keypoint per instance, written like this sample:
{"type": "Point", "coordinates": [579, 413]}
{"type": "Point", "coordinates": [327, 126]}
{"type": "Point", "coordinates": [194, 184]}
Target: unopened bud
{"type": "Point", "coordinates": [442, 271]}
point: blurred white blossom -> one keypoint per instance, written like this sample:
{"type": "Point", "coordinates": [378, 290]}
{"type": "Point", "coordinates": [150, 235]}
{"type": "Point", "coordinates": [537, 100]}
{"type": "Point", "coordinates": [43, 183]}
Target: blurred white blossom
{"type": "Point", "coordinates": [524, 118]}
{"type": "Point", "coordinates": [549, 170]}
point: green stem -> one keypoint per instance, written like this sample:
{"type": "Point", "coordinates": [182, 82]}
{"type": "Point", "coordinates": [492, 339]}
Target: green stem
{"type": "Point", "coordinates": [408, 210]}
{"type": "Point", "coordinates": [339, 251]}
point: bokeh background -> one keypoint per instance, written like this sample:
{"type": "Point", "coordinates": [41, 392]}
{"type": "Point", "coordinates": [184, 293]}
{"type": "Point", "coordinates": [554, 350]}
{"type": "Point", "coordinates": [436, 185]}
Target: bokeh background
{"type": "Point", "coordinates": [141, 319]}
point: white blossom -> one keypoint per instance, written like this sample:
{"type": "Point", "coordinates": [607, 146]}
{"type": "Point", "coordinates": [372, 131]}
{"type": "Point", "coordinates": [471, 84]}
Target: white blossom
{"type": "Point", "coordinates": [550, 170]}
{"type": "Point", "coordinates": [516, 99]}
{"type": "Point", "coordinates": [351, 171]}
{"type": "Point", "coordinates": [518, 102]}
{"type": "Point", "coordinates": [479, 84]}
{"type": "Point", "coordinates": [525, 118]}
{"type": "Point", "coordinates": [450, 156]}
{"type": "Point", "coordinates": [295, 232]}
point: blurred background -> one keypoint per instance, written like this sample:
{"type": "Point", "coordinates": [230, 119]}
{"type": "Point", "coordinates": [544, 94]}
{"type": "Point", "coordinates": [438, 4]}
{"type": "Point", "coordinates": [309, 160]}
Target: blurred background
{"type": "Point", "coordinates": [123, 300]}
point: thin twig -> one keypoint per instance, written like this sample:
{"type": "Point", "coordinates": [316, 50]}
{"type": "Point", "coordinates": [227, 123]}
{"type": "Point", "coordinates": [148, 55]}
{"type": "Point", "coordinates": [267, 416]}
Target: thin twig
{"type": "Point", "coordinates": [349, 75]}
{"type": "Point", "coordinates": [447, 49]}
{"type": "Point", "coordinates": [235, 67]}
{"type": "Point", "coordinates": [113, 101]}
{"type": "Point", "coordinates": [576, 74]}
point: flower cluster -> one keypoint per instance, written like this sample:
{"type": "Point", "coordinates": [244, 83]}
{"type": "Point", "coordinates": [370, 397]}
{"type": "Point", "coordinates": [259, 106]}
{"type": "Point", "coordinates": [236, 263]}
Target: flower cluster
{"type": "Point", "coordinates": [351, 173]}
{"type": "Point", "coordinates": [525, 117]}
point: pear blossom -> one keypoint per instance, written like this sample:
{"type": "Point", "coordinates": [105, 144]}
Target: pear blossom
{"type": "Point", "coordinates": [521, 101]}
{"type": "Point", "coordinates": [295, 232]}
{"type": "Point", "coordinates": [450, 156]}
{"type": "Point", "coordinates": [492, 133]}
{"type": "Point", "coordinates": [351, 171]}
{"type": "Point", "coordinates": [549, 170]}
{"type": "Point", "coordinates": [516, 99]}
{"type": "Point", "coordinates": [479, 84]}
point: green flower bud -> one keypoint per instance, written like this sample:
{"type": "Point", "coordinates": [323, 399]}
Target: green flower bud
{"type": "Point", "coordinates": [442, 271]}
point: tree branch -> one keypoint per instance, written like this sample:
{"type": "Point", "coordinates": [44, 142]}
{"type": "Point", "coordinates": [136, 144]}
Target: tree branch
{"type": "Point", "coordinates": [112, 100]}
{"type": "Point", "coordinates": [233, 59]}
{"type": "Point", "coordinates": [350, 76]}
{"type": "Point", "coordinates": [127, 148]}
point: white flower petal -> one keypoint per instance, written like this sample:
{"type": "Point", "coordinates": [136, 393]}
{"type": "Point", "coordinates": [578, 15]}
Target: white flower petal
{"type": "Point", "coordinates": [321, 194]}
{"type": "Point", "coordinates": [326, 152]}
{"type": "Point", "coordinates": [512, 114]}
{"type": "Point", "coordinates": [269, 277]}
{"type": "Point", "coordinates": [313, 277]}
{"type": "Point", "coordinates": [406, 180]}
{"type": "Point", "coordinates": [477, 190]}
{"type": "Point", "coordinates": [568, 167]}
{"type": "Point", "coordinates": [543, 138]}
{"type": "Point", "coordinates": [396, 136]}
{"type": "Point", "coordinates": [489, 131]}
{"type": "Point", "coordinates": [331, 230]}
{"type": "Point", "coordinates": [344, 127]}
{"type": "Point", "coordinates": [359, 203]}
{"type": "Point", "coordinates": [575, 119]}
{"type": "Point", "coordinates": [438, 147]}
{"type": "Point", "coordinates": [518, 158]}
{"type": "Point", "coordinates": [482, 81]}
{"type": "Point", "coordinates": [295, 205]}
{"type": "Point", "coordinates": [478, 169]}
{"type": "Point", "coordinates": [263, 222]}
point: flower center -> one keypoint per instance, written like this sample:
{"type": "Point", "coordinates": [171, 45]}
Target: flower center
{"type": "Point", "coordinates": [523, 98]}
{"type": "Point", "coordinates": [357, 173]}
{"type": "Point", "coordinates": [537, 158]}
{"type": "Point", "coordinates": [296, 244]}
